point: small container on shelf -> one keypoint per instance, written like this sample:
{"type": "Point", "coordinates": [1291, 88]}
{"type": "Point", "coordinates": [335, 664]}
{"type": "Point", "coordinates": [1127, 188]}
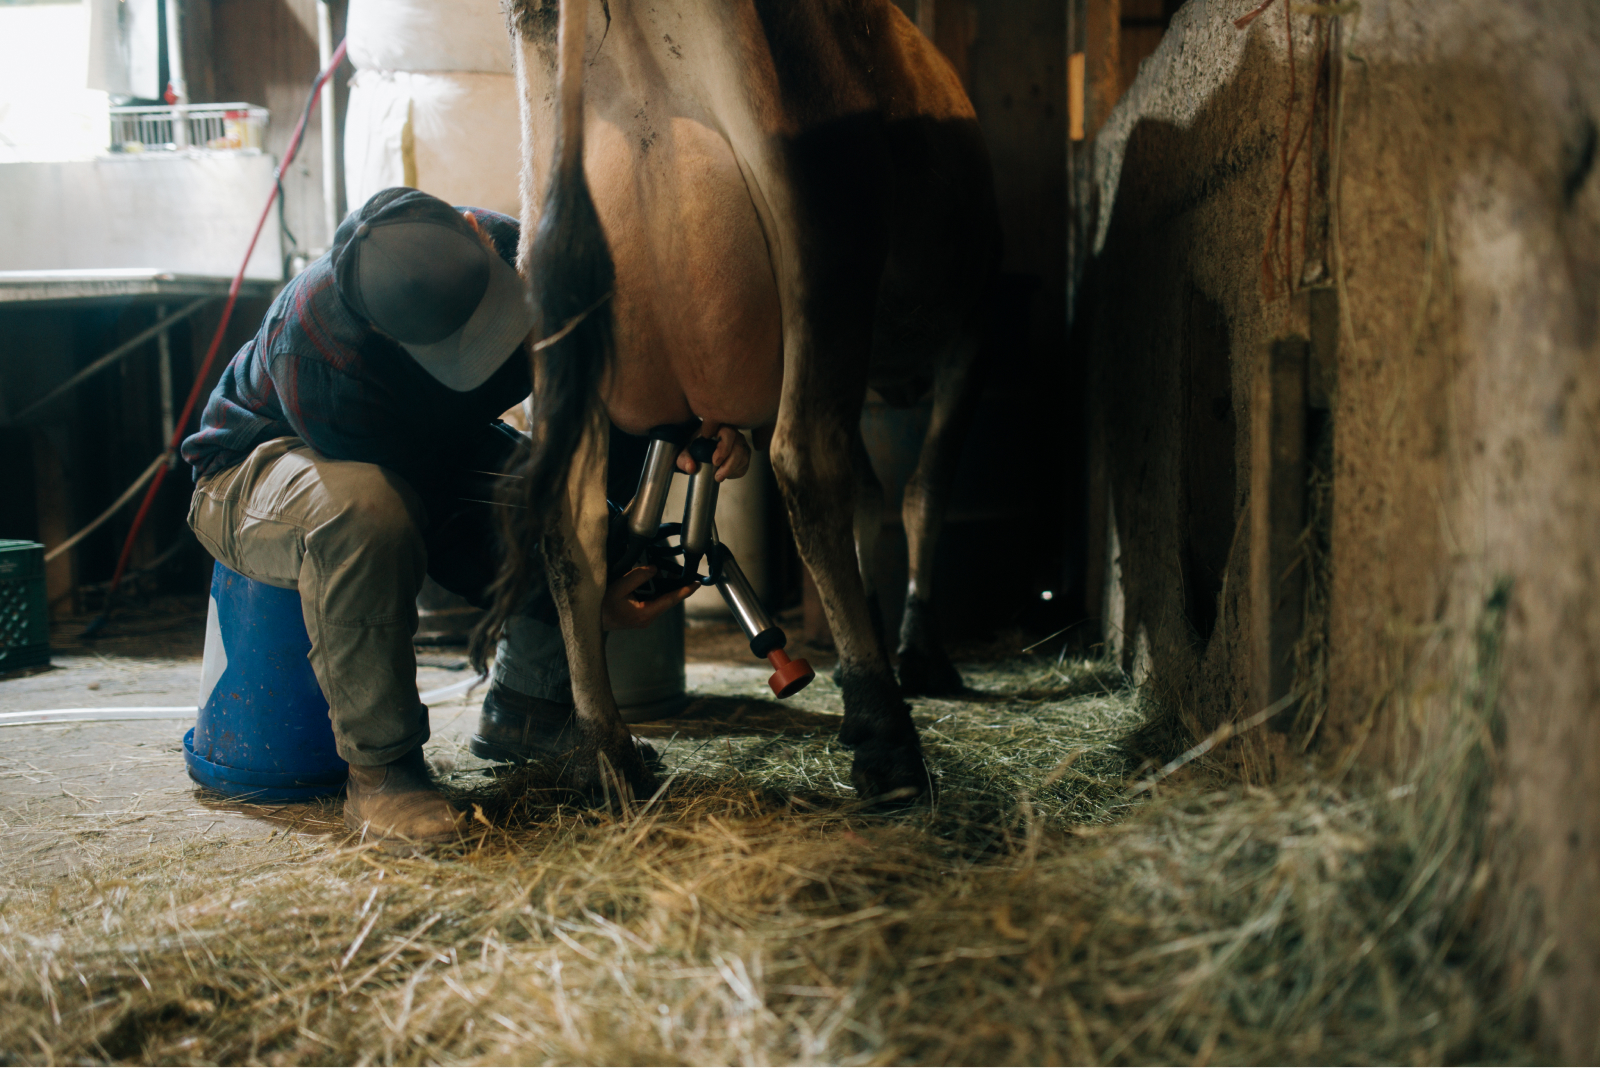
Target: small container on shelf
{"type": "Point", "coordinates": [235, 127]}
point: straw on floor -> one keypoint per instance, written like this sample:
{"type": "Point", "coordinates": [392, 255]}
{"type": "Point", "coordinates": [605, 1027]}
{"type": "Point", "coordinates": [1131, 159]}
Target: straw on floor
{"type": "Point", "coordinates": [1040, 912]}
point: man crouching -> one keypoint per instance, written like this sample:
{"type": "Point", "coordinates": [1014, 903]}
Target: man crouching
{"type": "Point", "coordinates": [350, 449]}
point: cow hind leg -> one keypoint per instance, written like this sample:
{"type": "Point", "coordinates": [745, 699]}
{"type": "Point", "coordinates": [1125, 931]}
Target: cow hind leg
{"type": "Point", "coordinates": [925, 668]}
{"type": "Point", "coordinates": [868, 525]}
{"type": "Point", "coordinates": [605, 760]}
{"type": "Point", "coordinates": [814, 458]}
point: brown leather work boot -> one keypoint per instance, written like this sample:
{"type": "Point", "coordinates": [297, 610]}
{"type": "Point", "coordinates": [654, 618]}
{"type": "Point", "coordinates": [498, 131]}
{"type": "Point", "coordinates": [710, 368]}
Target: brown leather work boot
{"type": "Point", "coordinates": [397, 803]}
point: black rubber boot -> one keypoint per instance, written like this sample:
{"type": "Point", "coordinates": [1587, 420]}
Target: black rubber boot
{"type": "Point", "coordinates": [516, 728]}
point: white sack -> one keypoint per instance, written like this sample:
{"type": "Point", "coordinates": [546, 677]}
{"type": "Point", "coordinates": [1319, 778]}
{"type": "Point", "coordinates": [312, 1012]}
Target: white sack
{"type": "Point", "coordinates": [377, 127]}
{"type": "Point", "coordinates": [453, 135]}
{"type": "Point", "coordinates": [125, 47]}
{"type": "Point", "coordinates": [428, 35]}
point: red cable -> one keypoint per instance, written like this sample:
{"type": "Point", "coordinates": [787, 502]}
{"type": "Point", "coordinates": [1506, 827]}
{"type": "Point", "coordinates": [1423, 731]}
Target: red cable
{"type": "Point", "coordinates": [216, 341]}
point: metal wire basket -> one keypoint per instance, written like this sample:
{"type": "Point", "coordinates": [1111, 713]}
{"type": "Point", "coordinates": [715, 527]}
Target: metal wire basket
{"type": "Point", "coordinates": [184, 127]}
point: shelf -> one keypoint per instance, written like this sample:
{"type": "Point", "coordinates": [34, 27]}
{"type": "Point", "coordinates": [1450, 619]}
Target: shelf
{"type": "Point", "coordinates": [86, 286]}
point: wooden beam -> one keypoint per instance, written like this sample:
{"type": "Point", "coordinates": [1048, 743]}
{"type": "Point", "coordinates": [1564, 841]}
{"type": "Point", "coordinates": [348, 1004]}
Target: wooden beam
{"type": "Point", "coordinates": [1322, 318]}
{"type": "Point", "coordinates": [1102, 33]}
{"type": "Point", "coordinates": [54, 504]}
{"type": "Point", "coordinates": [1277, 521]}
{"type": "Point", "coordinates": [1075, 96]}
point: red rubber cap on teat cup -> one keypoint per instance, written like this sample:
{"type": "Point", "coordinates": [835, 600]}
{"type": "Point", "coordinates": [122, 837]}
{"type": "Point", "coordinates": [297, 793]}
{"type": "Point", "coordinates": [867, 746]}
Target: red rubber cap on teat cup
{"type": "Point", "coordinates": [791, 677]}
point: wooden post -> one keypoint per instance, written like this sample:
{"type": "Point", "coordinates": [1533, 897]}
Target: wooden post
{"type": "Point", "coordinates": [1075, 96]}
{"type": "Point", "coordinates": [1277, 521]}
{"type": "Point", "coordinates": [1102, 60]}
{"type": "Point", "coordinates": [1322, 374]}
{"type": "Point", "coordinates": [54, 504]}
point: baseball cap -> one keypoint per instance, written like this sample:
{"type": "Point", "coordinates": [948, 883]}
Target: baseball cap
{"type": "Point", "coordinates": [413, 267]}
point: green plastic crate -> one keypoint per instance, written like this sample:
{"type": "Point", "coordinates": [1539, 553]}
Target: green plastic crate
{"type": "Point", "coordinates": [24, 617]}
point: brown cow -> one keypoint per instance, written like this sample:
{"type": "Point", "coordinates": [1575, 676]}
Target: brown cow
{"type": "Point", "coordinates": [764, 208]}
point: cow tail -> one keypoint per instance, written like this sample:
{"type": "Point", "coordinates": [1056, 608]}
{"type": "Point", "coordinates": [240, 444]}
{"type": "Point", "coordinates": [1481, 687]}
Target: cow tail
{"type": "Point", "coordinates": [571, 278]}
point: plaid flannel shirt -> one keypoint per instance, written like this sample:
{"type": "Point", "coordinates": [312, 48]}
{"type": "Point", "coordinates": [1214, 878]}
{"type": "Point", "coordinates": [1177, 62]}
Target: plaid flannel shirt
{"type": "Point", "coordinates": [317, 371]}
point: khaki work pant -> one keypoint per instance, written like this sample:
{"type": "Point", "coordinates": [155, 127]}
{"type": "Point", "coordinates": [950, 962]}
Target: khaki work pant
{"type": "Point", "coordinates": [350, 537]}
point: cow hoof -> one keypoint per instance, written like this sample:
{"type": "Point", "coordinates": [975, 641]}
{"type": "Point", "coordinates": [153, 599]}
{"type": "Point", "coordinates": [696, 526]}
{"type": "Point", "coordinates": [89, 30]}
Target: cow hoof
{"type": "Point", "coordinates": [925, 674]}
{"type": "Point", "coordinates": [891, 775]}
{"type": "Point", "coordinates": [600, 776]}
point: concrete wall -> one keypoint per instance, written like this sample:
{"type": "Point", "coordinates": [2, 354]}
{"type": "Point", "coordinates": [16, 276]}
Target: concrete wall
{"type": "Point", "coordinates": [186, 214]}
{"type": "Point", "coordinates": [1442, 269]}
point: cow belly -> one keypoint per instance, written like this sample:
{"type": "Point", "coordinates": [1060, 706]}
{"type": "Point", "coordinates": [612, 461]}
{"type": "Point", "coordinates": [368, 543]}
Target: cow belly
{"type": "Point", "coordinates": [699, 330]}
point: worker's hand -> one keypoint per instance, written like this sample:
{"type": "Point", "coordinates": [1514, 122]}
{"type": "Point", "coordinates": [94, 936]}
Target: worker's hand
{"type": "Point", "coordinates": [619, 611]}
{"type": "Point", "coordinates": [732, 458]}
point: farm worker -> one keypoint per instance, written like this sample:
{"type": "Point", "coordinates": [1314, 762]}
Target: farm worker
{"type": "Point", "coordinates": [347, 452]}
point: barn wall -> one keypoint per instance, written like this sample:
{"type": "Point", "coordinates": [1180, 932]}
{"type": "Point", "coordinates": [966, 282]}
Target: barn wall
{"type": "Point", "coordinates": [265, 52]}
{"type": "Point", "coordinates": [1011, 56]}
{"type": "Point", "coordinates": [76, 456]}
{"type": "Point", "coordinates": [1443, 278]}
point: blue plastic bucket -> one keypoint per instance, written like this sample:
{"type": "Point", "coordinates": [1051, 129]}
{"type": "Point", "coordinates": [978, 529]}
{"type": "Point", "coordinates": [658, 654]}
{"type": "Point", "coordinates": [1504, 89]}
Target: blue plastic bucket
{"type": "Point", "coordinates": [262, 733]}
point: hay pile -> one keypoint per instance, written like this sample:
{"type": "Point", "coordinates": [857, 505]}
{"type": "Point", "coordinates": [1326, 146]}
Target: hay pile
{"type": "Point", "coordinates": [1038, 913]}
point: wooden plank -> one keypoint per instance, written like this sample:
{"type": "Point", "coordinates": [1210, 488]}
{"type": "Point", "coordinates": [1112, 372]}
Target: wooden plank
{"type": "Point", "coordinates": [1075, 96]}
{"type": "Point", "coordinates": [1322, 374]}
{"type": "Point", "coordinates": [1103, 60]}
{"type": "Point", "coordinates": [54, 510]}
{"type": "Point", "coordinates": [1277, 520]}
{"type": "Point", "coordinates": [265, 51]}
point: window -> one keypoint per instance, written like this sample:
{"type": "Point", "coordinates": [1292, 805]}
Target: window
{"type": "Point", "coordinates": [47, 111]}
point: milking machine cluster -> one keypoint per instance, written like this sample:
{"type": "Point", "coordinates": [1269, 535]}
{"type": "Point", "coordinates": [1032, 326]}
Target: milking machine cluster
{"type": "Point", "coordinates": [646, 541]}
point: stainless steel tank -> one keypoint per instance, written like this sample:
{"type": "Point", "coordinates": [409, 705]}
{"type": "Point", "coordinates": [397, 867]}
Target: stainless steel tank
{"type": "Point", "coordinates": [646, 668]}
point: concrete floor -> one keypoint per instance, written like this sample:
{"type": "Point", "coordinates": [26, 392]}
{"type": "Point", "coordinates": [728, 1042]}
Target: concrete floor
{"type": "Point", "coordinates": [77, 796]}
